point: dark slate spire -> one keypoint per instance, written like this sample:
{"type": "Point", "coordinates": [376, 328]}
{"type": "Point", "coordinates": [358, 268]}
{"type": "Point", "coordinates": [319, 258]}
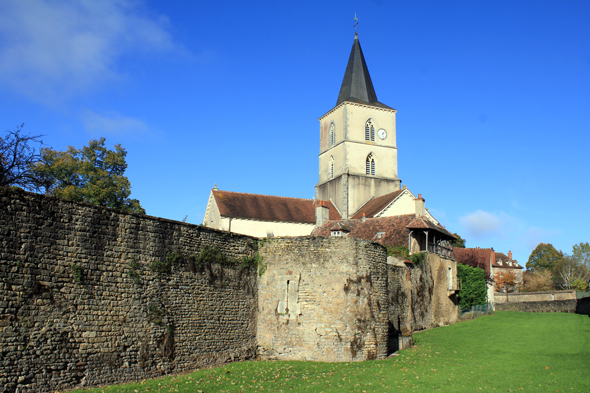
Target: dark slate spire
{"type": "Point", "coordinates": [357, 84]}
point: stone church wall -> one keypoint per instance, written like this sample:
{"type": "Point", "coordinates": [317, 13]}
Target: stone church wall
{"type": "Point", "coordinates": [322, 299]}
{"type": "Point", "coordinates": [80, 305]}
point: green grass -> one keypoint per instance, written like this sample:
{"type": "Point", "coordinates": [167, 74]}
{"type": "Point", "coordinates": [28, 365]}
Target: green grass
{"type": "Point", "coordinates": [505, 352]}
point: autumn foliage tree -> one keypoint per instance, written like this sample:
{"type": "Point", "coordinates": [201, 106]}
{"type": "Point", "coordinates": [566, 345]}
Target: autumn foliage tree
{"type": "Point", "coordinates": [541, 280]}
{"type": "Point", "coordinates": [506, 281]}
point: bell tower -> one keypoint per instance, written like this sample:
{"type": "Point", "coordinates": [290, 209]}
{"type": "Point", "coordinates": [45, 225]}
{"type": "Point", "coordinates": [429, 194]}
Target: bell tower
{"type": "Point", "coordinates": [358, 152]}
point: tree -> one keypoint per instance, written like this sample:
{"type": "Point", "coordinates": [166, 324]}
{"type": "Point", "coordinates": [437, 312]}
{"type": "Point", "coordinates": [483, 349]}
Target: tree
{"type": "Point", "coordinates": [581, 252]}
{"type": "Point", "coordinates": [93, 174]}
{"type": "Point", "coordinates": [580, 285]}
{"type": "Point", "coordinates": [545, 256]}
{"type": "Point", "coordinates": [506, 281]}
{"type": "Point", "coordinates": [570, 270]}
{"type": "Point", "coordinates": [474, 287]}
{"type": "Point", "coordinates": [459, 242]}
{"type": "Point", "coordinates": [541, 280]}
{"type": "Point", "coordinates": [17, 157]}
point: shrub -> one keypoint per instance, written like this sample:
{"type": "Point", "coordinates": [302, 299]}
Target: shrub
{"type": "Point", "coordinates": [210, 255]}
{"type": "Point", "coordinates": [77, 272]}
{"type": "Point", "coordinates": [134, 270]}
{"type": "Point", "coordinates": [398, 251]}
{"type": "Point", "coordinates": [166, 266]}
{"type": "Point", "coordinates": [156, 314]}
{"type": "Point", "coordinates": [580, 285]}
{"type": "Point", "coordinates": [418, 258]}
{"type": "Point", "coordinates": [474, 291]}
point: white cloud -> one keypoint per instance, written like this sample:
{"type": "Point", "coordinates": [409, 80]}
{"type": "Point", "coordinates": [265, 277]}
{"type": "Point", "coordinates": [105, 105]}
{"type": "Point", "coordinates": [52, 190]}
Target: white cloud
{"type": "Point", "coordinates": [57, 49]}
{"type": "Point", "coordinates": [112, 123]}
{"type": "Point", "coordinates": [482, 223]}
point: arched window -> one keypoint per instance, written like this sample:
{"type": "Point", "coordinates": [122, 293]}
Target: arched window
{"type": "Point", "coordinates": [331, 168]}
{"type": "Point", "coordinates": [332, 137]}
{"type": "Point", "coordinates": [369, 131]}
{"type": "Point", "coordinates": [371, 165]}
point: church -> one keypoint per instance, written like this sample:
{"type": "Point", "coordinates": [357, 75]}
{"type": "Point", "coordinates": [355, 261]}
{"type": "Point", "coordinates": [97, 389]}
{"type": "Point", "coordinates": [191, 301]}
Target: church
{"type": "Point", "coordinates": [358, 180]}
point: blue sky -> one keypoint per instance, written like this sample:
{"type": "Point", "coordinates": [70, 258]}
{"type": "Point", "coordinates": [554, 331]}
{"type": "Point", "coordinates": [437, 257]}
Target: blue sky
{"type": "Point", "coordinates": [493, 100]}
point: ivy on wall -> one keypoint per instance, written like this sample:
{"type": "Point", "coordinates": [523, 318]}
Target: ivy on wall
{"type": "Point", "coordinates": [474, 291]}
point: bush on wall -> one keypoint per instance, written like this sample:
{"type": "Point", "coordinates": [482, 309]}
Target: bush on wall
{"type": "Point", "coordinates": [474, 291]}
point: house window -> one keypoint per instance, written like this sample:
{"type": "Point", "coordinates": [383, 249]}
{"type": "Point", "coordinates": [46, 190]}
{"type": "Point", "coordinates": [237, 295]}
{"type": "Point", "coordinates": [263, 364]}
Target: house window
{"type": "Point", "coordinates": [332, 137]}
{"type": "Point", "coordinates": [379, 235]}
{"type": "Point", "coordinates": [370, 165]}
{"type": "Point", "coordinates": [336, 233]}
{"type": "Point", "coordinates": [331, 168]}
{"type": "Point", "coordinates": [369, 131]}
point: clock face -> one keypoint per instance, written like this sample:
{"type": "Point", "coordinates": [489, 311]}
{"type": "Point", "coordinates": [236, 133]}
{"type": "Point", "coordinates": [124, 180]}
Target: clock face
{"type": "Point", "coordinates": [382, 133]}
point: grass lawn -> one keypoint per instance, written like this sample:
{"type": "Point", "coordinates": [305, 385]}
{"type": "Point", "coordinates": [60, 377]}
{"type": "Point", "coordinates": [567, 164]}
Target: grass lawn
{"type": "Point", "coordinates": [505, 352]}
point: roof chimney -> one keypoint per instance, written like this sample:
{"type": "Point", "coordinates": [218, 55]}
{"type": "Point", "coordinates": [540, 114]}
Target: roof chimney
{"type": "Point", "coordinates": [419, 202]}
{"type": "Point", "coordinates": [510, 255]}
{"type": "Point", "coordinates": [364, 218]}
{"type": "Point", "coordinates": [322, 213]}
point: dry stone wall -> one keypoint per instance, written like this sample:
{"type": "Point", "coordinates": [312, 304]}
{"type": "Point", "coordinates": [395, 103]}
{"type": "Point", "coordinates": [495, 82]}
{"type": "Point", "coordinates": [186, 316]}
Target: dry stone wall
{"type": "Point", "coordinates": [542, 306]}
{"type": "Point", "coordinates": [88, 296]}
{"type": "Point", "coordinates": [323, 299]}
{"type": "Point", "coordinates": [502, 297]}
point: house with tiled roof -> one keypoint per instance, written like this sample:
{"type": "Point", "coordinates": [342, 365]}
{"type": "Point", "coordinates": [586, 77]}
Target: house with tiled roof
{"type": "Point", "coordinates": [505, 264]}
{"type": "Point", "coordinates": [493, 263]}
{"type": "Point", "coordinates": [261, 215]}
{"type": "Point", "coordinates": [417, 229]}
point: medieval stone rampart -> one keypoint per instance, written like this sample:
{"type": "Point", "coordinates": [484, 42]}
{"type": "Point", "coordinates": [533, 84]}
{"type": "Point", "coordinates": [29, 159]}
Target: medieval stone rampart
{"type": "Point", "coordinates": [86, 299]}
{"type": "Point", "coordinates": [422, 295]}
{"type": "Point", "coordinates": [323, 299]}
{"type": "Point", "coordinates": [92, 296]}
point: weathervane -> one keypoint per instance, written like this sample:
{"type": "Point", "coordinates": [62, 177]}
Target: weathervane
{"type": "Point", "coordinates": [356, 22]}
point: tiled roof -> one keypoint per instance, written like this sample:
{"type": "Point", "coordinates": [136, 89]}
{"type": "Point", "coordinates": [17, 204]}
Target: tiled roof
{"type": "Point", "coordinates": [268, 207]}
{"type": "Point", "coordinates": [394, 228]}
{"type": "Point", "coordinates": [474, 257]}
{"type": "Point", "coordinates": [504, 259]}
{"type": "Point", "coordinates": [339, 227]}
{"type": "Point", "coordinates": [501, 256]}
{"type": "Point", "coordinates": [376, 205]}
{"type": "Point", "coordinates": [424, 223]}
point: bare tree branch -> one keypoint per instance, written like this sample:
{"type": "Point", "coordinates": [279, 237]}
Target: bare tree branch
{"type": "Point", "coordinates": [17, 158]}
